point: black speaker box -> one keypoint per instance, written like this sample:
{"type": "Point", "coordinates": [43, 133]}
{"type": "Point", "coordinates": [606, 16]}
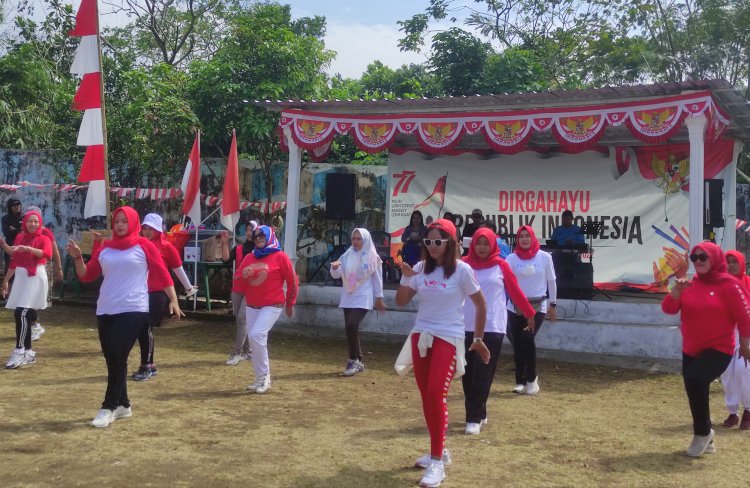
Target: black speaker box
{"type": "Point", "coordinates": [340, 192]}
{"type": "Point", "coordinates": [713, 215]}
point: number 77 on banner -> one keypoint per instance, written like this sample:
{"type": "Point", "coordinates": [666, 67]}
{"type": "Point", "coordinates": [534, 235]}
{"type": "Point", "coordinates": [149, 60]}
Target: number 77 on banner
{"type": "Point", "coordinates": [404, 180]}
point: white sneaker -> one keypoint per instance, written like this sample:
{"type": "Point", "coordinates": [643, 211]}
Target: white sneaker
{"type": "Point", "coordinates": [29, 357]}
{"type": "Point", "coordinates": [425, 460]}
{"type": "Point", "coordinates": [255, 384]}
{"type": "Point", "coordinates": [103, 418]}
{"type": "Point", "coordinates": [122, 412]}
{"type": "Point", "coordinates": [473, 428]}
{"type": "Point", "coordinates": [264, 384]}
{"type": "Point", "coordinates": [353, 366]}
{"type": "Point", "coordinates": [520, 389]}
{"type": "Point", "coordinates": [16, 359]}
{"type": "Point", "coordinates": [533, 387]}
{"type": "Point", "coordinates": [434, 474]}
{"type": "Point", "coordinates": [247, 356]}
{"type": "Point", "coordinates": [36, 331]}
{"type": "Point", "coordinates": [700, 444]}
{"type": "Point", "coordinates": [234, 359]}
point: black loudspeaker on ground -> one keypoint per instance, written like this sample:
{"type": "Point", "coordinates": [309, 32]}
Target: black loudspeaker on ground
{"type": "Point", "coordinates": [340, 192]}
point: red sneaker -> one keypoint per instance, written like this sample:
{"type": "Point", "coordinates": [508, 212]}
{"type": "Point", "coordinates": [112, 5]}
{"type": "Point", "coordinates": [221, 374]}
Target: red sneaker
{"type": "Point", "coordinates": [745, 424]}
{"type": "Point", "coordinates": [732, 420]}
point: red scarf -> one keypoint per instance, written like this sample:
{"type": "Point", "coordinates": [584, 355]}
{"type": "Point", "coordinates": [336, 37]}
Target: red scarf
{"type": "Point", "coordinates": [493, 259]}
{"type": "Point", "coordinates": [718, 272]}
{"type": "Point", "coordinates": [27, 260]}
{"type": "Point", "coordinates": [529, 253]}
{"type": "Point", "coordinates": [745, 279]}
{"type": "Point", "coordinates": [131, 237]}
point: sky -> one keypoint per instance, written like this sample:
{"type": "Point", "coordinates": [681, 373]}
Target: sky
{"type": "Point", "coordinates": [359, 31]}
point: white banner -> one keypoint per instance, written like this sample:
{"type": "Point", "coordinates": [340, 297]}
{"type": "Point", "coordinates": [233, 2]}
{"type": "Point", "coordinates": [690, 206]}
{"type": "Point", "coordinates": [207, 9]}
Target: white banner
{"type": "Point", "coordinates": [645, 217]}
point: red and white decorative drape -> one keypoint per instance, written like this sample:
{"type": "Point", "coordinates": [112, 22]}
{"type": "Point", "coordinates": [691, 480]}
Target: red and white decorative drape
{"type": "Point", "coordinates": [88, 99]}
{"type": "Point", "coordinates": [575, 128]}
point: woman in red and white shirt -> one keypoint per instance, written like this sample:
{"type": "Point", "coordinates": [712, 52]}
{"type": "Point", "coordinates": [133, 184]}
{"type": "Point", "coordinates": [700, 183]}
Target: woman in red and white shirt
{"type": "Point", "coordinates": [435, 346]}
{"type": "Point", "coordinates": [29, 254]}
{"type": "Point", "coordinates": [262, 276]}
{"type": "Point", "coordinates": [712, 306]}
{"type": "Point", "coordinates": [536, 277]}
{"type": "Point", "coordinates": [497, 282]}
{"type": "Point", "coordinates": [127, 262]}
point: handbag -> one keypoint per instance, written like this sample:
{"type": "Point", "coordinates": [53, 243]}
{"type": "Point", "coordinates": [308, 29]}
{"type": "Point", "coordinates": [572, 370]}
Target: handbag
{"type": "Point", "coordinates": [536, 303]}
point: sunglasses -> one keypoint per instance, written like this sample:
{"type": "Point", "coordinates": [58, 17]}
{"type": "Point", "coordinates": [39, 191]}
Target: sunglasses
{"type": "Point", "coordinates": [436, 242]}
{"type": "Point", "coordinates": [699, 257]}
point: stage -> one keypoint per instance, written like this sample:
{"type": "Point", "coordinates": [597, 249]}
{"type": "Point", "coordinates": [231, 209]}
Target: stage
{"type": "Point", "coordinates": [628, 326]}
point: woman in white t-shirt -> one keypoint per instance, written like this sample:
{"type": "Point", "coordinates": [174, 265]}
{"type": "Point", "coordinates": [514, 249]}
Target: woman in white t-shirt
{"type": "Point", "coordinates": [435, 346]}
{"type": "Point", "coordinates": [497, 282]}
{"type": "Point", "coordinates": [536, 276]}
{"type": "Point", "coordinates": [361, 270]}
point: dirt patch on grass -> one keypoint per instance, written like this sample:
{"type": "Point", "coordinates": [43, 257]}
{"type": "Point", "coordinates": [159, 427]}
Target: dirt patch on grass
{"type": "Point", "coordinates": [195, 425]}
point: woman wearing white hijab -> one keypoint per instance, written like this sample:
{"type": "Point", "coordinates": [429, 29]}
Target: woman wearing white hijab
{"type": "Point", "coordinates": [361, 270]}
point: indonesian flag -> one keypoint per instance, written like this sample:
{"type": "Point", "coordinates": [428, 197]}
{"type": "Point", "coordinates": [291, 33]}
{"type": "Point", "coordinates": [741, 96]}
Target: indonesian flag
{"type": "Point", "coordinates": [191, 184]}
{"type": "Point", "coordinates": [437, 196]}
{"type": "Point", "coordinates": [230, 207]}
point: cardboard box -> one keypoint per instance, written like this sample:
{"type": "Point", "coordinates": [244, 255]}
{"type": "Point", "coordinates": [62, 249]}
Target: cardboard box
{"type": "Point", "coordinates": [210, 249]}
{"type": "Point", "coordinates": [87, 239]}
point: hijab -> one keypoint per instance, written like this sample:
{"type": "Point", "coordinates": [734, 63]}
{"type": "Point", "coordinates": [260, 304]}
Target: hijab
{"type": "Point", "coordinates": [34, 239]}
{"type": "Point", "coordinates": [529, 253]}
{"type": "Point", "coordinates": [718, 272]}
{"type": "Point", "coordinates": [272, 243]}
{"type": "Point", "coordinates": [131, 237]}
{"type": "Point", "coordinates": [358, 266]}
{"type": "Point", "coordinates": [744, 278]}
{"type": "Point", "coordinates": [493, 259]}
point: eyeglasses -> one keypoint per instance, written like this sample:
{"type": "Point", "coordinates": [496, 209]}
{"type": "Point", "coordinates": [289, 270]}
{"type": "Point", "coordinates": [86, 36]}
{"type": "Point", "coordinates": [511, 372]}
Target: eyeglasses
{"type": "Point", "coordinates": [699, 257]}
{"type": "Point", "coordinates": [436, 242]}
{"type": "Point", "coordinates": [259, 236]}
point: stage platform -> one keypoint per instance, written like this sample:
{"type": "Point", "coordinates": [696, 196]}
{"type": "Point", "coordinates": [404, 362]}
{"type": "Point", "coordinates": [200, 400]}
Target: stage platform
{"type": "Point", "coordinates": [630, 327]}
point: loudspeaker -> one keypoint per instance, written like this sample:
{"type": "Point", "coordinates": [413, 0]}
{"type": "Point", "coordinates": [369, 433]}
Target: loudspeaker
{"type": "Point", "coordinates": [576, 281]}
{"type": "Point", "coordinates": [712, 203]}
{"type": "Point", "coordinates": [340, 188]}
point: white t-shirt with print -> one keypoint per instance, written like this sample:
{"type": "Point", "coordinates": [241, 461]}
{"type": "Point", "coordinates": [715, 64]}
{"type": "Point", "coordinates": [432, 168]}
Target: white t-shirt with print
{"type": "Point", "coordinates": [441, 300]}
{"type": "Point", "coordinates": [536, 276]}
{"type": "Point", "coordinates": [493, 288]}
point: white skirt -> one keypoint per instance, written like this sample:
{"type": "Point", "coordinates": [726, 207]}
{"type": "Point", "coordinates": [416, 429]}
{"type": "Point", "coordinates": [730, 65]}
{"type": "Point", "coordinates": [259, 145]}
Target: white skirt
{"type": "Point", "coordinates": [29, 291]}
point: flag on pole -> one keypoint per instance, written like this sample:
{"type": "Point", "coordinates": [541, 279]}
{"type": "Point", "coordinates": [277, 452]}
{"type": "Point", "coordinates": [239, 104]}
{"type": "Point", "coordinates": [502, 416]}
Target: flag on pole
{"type": "Point", "coordinates": [191, 184]}
{"type": "Point", "coordinates": [88, 99]}
{"type": "Point", "coordinates": [230, 206]}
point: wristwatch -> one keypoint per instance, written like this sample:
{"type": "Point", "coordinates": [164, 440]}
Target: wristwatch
{"type": "Point", "coordinates": [553, 305]}
{"type": "Point", "coordinates": [477, 340]}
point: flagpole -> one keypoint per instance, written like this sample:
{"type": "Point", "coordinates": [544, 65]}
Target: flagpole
{"type": "Point", "coordinates": [196, 225]}
{"type": "Point", "coordinates": [104, 120]}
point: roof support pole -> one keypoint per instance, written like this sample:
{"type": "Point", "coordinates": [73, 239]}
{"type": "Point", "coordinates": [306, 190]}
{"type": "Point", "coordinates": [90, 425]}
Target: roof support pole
{"type": "Point", "coordinates": [729, 241]}
{"type": "Point", "coordinates": [292, 196]}
{"type": "Point", "coordinates": [696, 132]}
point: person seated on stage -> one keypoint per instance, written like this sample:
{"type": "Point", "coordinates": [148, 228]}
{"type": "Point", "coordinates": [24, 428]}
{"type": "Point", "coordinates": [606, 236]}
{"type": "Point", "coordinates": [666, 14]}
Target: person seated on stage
{"type": "Point", "coordinates": [568, 234]}
{"type": "Point", "coordinates": [477, 219]}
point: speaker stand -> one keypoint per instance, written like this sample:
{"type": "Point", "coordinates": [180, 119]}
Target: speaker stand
{"type": "Point", "coordinates": [591, 229]}
{"type": "Point", "coordinates": [334, 252]}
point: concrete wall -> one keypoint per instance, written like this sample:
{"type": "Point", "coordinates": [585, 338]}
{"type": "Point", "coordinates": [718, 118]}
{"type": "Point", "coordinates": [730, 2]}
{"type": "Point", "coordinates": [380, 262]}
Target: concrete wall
{"type": "Point", "coordinates": [611, 328]}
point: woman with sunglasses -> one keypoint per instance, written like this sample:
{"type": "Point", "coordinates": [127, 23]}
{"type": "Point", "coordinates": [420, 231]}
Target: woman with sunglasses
{"type": "Point", "coordinates": [536, 277]}
{"type": "Point", "coordinates": [435, 347]}
{"type": "Point", "coordinates": [712, 306]}
{"type": "Point", "coordinates": [30, 252]}
{"type": "Point", "coordinates": [497, 281]}
{"type": "Point", "coordinates": [261, 276]}
{"type": "Point", "coordinates": [361, 270]}
{"type": "Point", "coordinates": [127, 262]}
{"type": "Point", "coordinates": [736, 378]}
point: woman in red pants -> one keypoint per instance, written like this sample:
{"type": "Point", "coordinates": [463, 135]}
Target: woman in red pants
{"type": "Point", "coordinates": [435, 347]}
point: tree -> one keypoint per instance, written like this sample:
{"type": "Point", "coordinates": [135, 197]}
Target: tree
{"type": "Point", "coordinates": [266, 55]}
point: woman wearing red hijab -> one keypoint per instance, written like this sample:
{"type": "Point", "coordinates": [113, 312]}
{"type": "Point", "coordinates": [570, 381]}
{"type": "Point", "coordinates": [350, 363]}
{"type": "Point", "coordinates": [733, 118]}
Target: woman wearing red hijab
{"type": "Point", "coordinates": [30, 252]}
{"type": "Point", "coordinates": [536, 277]}
{"type": "Point", "coordinates": [496, 281]}
{"type": "Point", "coordinates": [711, 306]}
{"type": "Point", "coordinates": [127, 262]}
{"type": "Point", "coordinates": [736, 378]}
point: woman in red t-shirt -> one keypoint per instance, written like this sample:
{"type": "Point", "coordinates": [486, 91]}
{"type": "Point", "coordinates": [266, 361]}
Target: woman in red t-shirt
{"type": "Point", "coordinates": [712, 306]}
{"type": "Point", "coordinates": [30, 252]}
{"type": "Point", "coordinates": [261, 276]}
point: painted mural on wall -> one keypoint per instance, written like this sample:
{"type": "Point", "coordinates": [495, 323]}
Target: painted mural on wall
{"type": "Point", "coordinates": [319, 238]}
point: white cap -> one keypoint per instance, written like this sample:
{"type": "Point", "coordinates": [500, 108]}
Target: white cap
{"type": "Point", "coordinates": [154, 221]}
{"type": "Point", "coordinates": [253, 224]}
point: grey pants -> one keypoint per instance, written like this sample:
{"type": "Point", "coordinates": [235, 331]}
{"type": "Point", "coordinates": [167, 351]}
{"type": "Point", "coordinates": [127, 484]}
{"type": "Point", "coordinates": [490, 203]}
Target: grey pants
{"type": "Point", "coordinates": [241, 343]}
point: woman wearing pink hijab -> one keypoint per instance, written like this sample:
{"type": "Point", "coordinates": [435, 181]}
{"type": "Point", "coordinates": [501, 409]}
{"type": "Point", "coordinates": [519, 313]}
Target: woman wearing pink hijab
{"type": "Point", "coordinates": [361, 270]}
{"type": "Point", "coordinates": [712, 306]}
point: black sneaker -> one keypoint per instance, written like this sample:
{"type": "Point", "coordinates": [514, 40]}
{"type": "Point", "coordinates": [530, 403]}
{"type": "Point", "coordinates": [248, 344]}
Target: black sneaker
{"type": "Point", "coordinates": [152, 369]}
{"type": "Point", "coordinates": [142, 374]}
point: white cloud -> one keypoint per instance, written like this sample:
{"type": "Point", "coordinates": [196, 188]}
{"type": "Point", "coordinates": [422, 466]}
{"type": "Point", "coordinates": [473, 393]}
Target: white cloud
{"type": "Point", "coordinates": [358, 45]}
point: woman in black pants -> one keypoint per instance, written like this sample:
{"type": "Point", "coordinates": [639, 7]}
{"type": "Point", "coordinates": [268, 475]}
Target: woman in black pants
{"type": "Point", "coordinates": [125, 262]}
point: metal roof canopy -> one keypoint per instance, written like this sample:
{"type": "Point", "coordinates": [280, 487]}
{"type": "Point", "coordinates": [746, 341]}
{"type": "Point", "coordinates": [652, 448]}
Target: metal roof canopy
{"type": "Point", "coordinates": [724, 94]}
